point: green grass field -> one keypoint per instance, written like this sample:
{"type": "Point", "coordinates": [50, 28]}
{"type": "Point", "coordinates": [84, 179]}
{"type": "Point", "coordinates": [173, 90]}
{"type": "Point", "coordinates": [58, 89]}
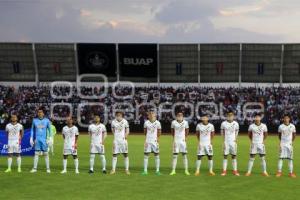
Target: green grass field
{"type": "Point", "coordinates": [120, 186]}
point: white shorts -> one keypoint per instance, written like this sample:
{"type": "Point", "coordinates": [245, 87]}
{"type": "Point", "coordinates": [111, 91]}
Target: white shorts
{"type": "Point", "coordinates": [70, 152]}
{"type": "Point", "coordinates": [204, 150]}
{"type": "Point", "coordinates": [14, 147]}
{"type": "Point", "coordinates": [257, 149]}
{"type": "Point", "coordinates": [151, 148]}
{"type": "Point", "coordinates": [120, 147]}
{"type": "Point", "coordinates": [286, 151]}
{"type": "Point", "coordinates": [230, 148]}
{"type": "Point", "coordinates": [97, 149]}
{"type": "Point", "coordinates": [179, 147]}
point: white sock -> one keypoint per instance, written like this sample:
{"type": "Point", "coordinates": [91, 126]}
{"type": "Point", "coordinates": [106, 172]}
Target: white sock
{"type": "Point", "coordinates": [263, 164]}
{"type": "Point", "coordinates": [19, 161]}
{"type": "Point", "coordinates": [65, 161]}
{"type": "Point", "coordinates": [225, 164]}
{"type": "Point", "coordinates": [234, 164]}
{"type": "Point", "coordinates": [126, 162]}
{"type": "Point", "coordinates": [9, 161]}
{"type": "Point", "coordinates": [185, 162]}
{"type": "Point", "coordinates": [198, 165]}
{"type": "Point", "coordinates": [174, 162]}
{"type": "Point", "coordinates": [210, 165]}
{"type": "Point", "coordinates": [35, 161]}
{"type": "Point", "coordinates": [157, 163]}
{"type": "Point", "coordinates": [291, 166]}
{"type": "Point", "coordinates": [103, 160]}
{"type": "Point", "coordinates": [280, 163]}
{"type": "Point", "coordinates": [47, 161]}
{"type": "Point", "coordinates": [145, 163]}
{"type": "Point", "coordinates": [114, 163]}
{"type": "Point", "coordinates": [76, 163]}
{"type": "Point", "coordinates": [92, 161]}
{"type": "Point", "coordinates": [250, 164]}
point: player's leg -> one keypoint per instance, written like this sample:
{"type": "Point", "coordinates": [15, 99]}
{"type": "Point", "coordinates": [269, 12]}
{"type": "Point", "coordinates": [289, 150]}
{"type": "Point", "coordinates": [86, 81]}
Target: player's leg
{"type": "Point", "coordinates": [224, 165]}
{"type": "Point", "coordinates": [92, 161]}
{"type": "Point", "coordinates": [263, 165]}
{"type": "Point", "coordinates": [76, 163]}
{"type": "Point", "coordinates": [198, 165]}
{"type": "Point", "coordinates": [19, 162]}
{"type": "Point", "coordinates": [65, 163]}
{"type": "Point", "coordinates": [47, 161]}
{"type": "Point", "coordinates": [114, 163]}
{"type": "Point", "coordinates": [185, 164]}
{"type": "Point", "coordinates": [211, 165]}
{"type": "Point", "coordinates": [174, 163]}
{"type": "Point", "coordinates": [234, 165]}
{"type": "Point", "coordinates": [157, 163]}
{"type": "Point", "coordinates": [146, 158]}
{"type": "Point", "coordinates": [250, 164]}
{"type": "Point", "coordinates": [290, 156]}
{"type": "Point", "coordinates": [9, 162]}
{"type": "Point", "coordinates": [103, 162]}
{"type": "Point", "coordinates": [126, 163]}
{"type": "Point", "coordinates": [37, 153]}
{"type": "Point", "coordinates": [280, 161]}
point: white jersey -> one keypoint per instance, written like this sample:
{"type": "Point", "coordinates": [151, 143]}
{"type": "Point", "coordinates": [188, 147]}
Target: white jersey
{"type": "Point", "coordinates": [258, 133]}
{"type": "Point", "coordinates": [287, 132]}
{"type": "Point", "coordinates": [205, 132]}
{"type": "Point", "coordinates": [70, 134]}
{"type": "Point", "coordinates": [179, 130]}
{"type": "Point", "coordinates": [14, 131]}
{"type": "Point", "coordinates": [152, 130]}
{"type": "Point", "coordinates": [119, 130]}
{"type": "Point", "coordinates": [97, 133]}
{"type": "Point", "coordinates": [230, 131]}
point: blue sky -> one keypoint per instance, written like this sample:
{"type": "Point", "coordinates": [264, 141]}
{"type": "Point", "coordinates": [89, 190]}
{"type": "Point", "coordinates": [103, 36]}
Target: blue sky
{"type": "Point", "coordinates": [162, 21]}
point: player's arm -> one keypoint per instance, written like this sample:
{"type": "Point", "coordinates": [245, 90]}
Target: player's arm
{"type": "Point", "coordinates": [6, 129]}
{"type": "Point", "coordinates": [250, 135]}
{"type": "Point", "coordinates": [126, 130]}
{"type": "Point", "coordinates": [104, 135]}
{"type": "Point", "coordinates": [265, 135]}
{"type": "Point", "coordinates": [32, 133]}
{"type": "Point", "coordinates": [187, 130]}
{"type": "Point", "coordinates": [198, 135]}
{"type": "Point", "coordinates": [49, 129]}
{"type": "Point", "coordinates": [294, 134]}
{"type": "Point", "coordinates": [76, 140]}
{"type": "Point", "coordinates": [21, 132]}
{"type": "Point", "coordinates": [212, 134]}
{"type": "Point", "coordinates": [63, 134]}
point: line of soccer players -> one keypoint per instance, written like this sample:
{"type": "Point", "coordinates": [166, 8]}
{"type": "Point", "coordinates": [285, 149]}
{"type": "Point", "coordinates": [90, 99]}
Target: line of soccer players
{"type": "Point", "coordinates": [41, 130]}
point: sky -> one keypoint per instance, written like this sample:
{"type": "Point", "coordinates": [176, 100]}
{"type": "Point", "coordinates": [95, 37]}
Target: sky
{"type": "Point", "coordinates": [151, 21]}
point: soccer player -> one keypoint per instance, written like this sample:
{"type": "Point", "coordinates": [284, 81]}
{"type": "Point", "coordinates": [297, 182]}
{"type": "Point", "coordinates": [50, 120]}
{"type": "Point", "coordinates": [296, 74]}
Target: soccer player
{"type": "Point", "coordinates": [70, 135]}
{"type": "Point", "coordinates": [230, 131]}
{"type": "Point", "coordinates": [40, 129]}
{"type": "Point", "coordinates": [98, 133]}
{"type": "Point", "coordinates": [180, 131]}
{"type": "Point", "coordinates": [120, 130]}
{"type": "Point", "coordinates": [152, 130]}
{"type": "Point", "coordinates": [287, 134]}
{"type": "Point", "coordinates": [205, 132]}
{"type": "Point", "coordinates": [51, 138]}
{"type": "Point", "coordinates": [15, 132]}
{"type": "Point", "coordinates": [257, 133]}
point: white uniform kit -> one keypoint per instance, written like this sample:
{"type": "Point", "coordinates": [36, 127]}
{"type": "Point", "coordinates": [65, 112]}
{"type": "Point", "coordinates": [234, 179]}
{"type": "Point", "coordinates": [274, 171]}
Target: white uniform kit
{"type": "Point", "coordinates": [120, 143]}
{"type": "Point", "coordinates": [205, 132]}
{"type": "Point", "coordinates": [151, 144]}
{"type": "Point", "coordinates": [179, 145]}
{"type": "Point", "coordinates": [230, 131]}
{"type": "Point", "coordinates": [14, 137]}
{"type": "Point", "coordinates": [286, 147]}
{"type": "Point", "coordinates": [257, 144]}
{"type": "Point", "coordinates": [70, 134]}
{"type": "Point", "coordinates": [97, 133]}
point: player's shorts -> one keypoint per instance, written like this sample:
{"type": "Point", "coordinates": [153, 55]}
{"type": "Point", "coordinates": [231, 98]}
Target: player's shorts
{"type": "Point", "coordinates": [205, 150]}
{"type": "Point", "coordinates": [14, 147]}
{"type": "Point", "coordinates": [97, 149]}
{"type": "Point", "coordinates": [230, 148]}
{"type": "Point", "coordinates": [119, 147]}
{"type": "Point", "coordinates": [257, 149]}
{"type": "Point", "coordinates": [179, 147]}
{"type": "Point", "coordinates": [286, 151]}
{"type": "Point", "coordinates": [151, 148]}
{"type": "Point", "coordinates": [70, 152]}
{"type": "Point", "coordinates": [41, 145]}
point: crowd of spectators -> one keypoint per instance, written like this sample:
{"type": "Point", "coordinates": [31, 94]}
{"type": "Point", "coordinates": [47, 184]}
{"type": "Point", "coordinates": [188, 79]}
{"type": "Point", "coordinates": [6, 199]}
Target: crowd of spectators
{"type": "Point", "coordinates": [24, 101]}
